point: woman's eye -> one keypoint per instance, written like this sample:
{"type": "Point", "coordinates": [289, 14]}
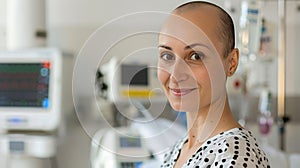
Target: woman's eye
{"type": "Point", "coordinates": [197, 56]}
{"type": "Point", "coordinates": [167, 56]}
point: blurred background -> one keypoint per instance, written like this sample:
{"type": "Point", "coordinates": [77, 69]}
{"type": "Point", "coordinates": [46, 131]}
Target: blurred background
{"type": "Point", "coordinates": [264, 93]}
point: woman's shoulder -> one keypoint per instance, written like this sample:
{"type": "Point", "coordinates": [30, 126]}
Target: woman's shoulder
{"type": "Point", "coordinates": [235, 141]}
{"type": "Point", "coordinates": [233, 148]}
{"type": "Point", "coordinates": [236, 147]}
{"type": "Point", "coordinates": [235, 134]}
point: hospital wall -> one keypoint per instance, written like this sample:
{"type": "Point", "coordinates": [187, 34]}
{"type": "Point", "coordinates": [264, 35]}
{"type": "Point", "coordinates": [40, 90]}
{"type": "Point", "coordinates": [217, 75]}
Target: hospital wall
{"type": "Point", "coordinates": [71, 22]}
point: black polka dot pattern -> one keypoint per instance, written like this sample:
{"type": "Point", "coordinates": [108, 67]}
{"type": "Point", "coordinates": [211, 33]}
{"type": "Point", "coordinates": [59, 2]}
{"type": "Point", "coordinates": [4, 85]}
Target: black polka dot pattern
{"type": "Point", "coordinates": [236, 148]}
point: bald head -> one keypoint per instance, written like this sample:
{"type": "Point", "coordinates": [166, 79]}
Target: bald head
{"type": "Point", "coordinates": [225, 27]}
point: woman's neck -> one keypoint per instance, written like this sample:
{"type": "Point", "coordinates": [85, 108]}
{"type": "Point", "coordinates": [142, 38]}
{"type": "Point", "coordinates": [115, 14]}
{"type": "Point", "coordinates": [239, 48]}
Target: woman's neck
{"type": "Point", "coordinates": [208, 122]}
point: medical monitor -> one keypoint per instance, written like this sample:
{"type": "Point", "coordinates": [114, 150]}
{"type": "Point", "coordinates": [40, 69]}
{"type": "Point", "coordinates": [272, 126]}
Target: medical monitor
{"type": "Point", "coordinates": [132, 74]}
{"type": "Point", "coordinates": [30, 86]}
{"type": "Point", "coordinates": [132, 80]}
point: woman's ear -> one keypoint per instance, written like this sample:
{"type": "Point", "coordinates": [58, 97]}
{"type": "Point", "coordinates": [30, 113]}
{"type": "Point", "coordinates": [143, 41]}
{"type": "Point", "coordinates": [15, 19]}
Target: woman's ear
{"type": "Point", "coordinates": [232, 62]}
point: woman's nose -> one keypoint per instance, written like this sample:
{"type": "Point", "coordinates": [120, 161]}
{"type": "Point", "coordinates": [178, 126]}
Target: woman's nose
{"type": "Point", "coordinates": [179, 71]}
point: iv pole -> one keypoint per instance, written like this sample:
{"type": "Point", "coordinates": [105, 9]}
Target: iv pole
{"type": "Point", "coordinates": [282, 117]}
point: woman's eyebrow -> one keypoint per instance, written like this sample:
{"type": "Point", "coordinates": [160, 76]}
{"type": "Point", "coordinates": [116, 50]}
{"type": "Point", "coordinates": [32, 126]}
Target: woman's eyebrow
{"type": "Point", "coordinates": [165, 47]}
{"type": "Point", "coordinates": [191, 46]}
{"type": "Point", "coordinates": [188, 47]}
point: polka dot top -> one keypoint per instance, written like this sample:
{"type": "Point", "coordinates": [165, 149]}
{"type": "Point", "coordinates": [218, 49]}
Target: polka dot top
{"type": "Point", "coordinates": [235, 148]}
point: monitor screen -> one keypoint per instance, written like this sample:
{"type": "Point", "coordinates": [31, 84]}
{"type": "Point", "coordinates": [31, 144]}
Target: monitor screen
{"type": "Point", "coordinates": [134, 75]}
{"type": "Point", "coordinates": [24, 84]}
{"type": "Point", "coordinates": [130, 142]}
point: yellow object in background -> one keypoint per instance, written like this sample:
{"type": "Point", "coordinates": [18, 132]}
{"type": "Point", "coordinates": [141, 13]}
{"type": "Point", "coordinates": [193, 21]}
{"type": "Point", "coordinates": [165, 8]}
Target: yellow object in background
{"type": "Point", "coordinates": [138, 93]}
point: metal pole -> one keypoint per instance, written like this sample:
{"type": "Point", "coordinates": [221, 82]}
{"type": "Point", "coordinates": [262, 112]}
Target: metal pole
{"type": "Point", "coordinates": [281, 71]}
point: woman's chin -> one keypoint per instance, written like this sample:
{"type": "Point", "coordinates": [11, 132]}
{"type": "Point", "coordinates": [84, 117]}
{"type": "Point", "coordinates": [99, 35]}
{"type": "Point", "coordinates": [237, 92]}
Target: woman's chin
{"type": "Point", "coordinates": [176, 107]}
{"type": "Point", "coordinates": [184, 107]}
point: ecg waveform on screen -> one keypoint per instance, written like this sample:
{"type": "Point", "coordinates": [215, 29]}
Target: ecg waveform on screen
{"type": "Point", "coordinates": [24, 85]}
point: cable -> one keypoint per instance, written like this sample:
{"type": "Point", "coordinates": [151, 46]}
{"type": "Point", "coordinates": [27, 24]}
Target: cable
{"type": "Point", "coordinates": [95, 144]}
{"type": "Point", "coordinates": [143, 110]}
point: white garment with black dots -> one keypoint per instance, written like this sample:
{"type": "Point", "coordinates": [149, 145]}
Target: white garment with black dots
{"type": "Point", "coordinates": [235, 148]}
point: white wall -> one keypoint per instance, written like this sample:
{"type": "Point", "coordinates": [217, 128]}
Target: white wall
{"type": "Point", "coordinates": [72, 21]}
{"type": "Point", "coordinates": [2, 24]}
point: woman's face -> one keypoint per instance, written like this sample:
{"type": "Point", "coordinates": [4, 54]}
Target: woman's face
{"type": "Point", "coordinates": [190, 67]}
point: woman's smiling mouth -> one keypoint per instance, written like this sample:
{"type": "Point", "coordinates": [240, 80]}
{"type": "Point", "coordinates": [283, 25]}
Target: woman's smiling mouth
{"type": "Point", "coordinates": [181, 92]}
